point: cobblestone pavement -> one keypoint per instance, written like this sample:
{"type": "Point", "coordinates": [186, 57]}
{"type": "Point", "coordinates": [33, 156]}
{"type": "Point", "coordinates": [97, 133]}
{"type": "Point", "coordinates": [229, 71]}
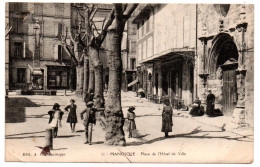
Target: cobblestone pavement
{"type": "Point", "coordinates": [194, 139]}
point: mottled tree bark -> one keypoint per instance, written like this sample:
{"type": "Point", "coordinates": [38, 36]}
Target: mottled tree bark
{"type": "Point", "coordinates": [98, 75]}
{"type": "Point", "coordinates": [86, 77]}
{"type": "Point", "coordinates": [91, 78]}
{"type": "Point", "coordinates": [113, 111]}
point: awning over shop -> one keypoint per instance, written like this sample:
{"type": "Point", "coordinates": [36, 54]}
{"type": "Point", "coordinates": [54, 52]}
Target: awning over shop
{"type": "Point", "coordinates": [132, 83]}
{"type": "Point", "coordinates": [170, 53]}
{"type": "Point", "coordinates": [37, 72]}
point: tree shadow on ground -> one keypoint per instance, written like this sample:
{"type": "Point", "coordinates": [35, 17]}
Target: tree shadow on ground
{"type": "Point", "coordinates": [190, 135]}
{"type": "Point", "coordinates": [24, 137]}
{"type": "Point", "coordinates": [67, 136]}
{"type": "Point", "coordinates": [15, 109]}
{"type": "Point", "coordinates": [148, 115]}
{"type": "Point", "coordinates": [37, 116]}
{"type": "Point", "coordinates": [24, 133]}
{"type": "Point", "coordinates": [98, 142]}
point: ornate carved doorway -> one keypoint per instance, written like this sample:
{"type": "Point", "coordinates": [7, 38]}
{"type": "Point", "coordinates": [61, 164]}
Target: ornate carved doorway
{"type": "Point", "coordinates": [229, 99]}
{"type": "Point", "coordinates": [223, 62]}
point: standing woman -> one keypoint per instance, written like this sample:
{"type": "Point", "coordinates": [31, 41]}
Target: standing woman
{"type": "Point", "coordinates": [72, 117]}
{"type": "Point", "coordinates": [56, 115]}
{"type": "Point", "coordinates": [167, 118]}
{"type": "Point", "coordinates": [131, 118]}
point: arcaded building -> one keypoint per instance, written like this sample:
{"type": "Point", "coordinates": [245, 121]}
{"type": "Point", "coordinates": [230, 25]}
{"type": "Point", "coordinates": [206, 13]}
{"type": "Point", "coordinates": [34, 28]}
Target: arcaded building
{"type": "Point", "coordinates": [166, 40]}
{"type": "Point", "coordinates": [185, 50]}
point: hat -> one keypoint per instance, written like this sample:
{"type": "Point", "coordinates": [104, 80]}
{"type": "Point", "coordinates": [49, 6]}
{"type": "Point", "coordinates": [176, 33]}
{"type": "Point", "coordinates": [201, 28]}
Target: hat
{"type": "Point", "coordinates": [56, 105]}
{"type": "Point", "coordinates": [90, 103]}
{"type": "Point", "coordinates": [72, 100]}
{"type": "Point", "coordinates": [131, 108]}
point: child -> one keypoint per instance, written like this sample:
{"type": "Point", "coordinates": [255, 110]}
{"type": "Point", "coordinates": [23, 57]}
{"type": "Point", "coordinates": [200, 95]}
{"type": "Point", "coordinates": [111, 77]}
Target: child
{"type": "Point", "coordinates": [131, 118]}
{"type": "Point", "coordinates": [55, 118]}
{"type": "Point", "coordinates": [72, 118]}
{"type": "Point", "coordinates": [89, 117]}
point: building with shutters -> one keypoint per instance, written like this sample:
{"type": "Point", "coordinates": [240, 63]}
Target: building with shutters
{"type": "Point", "coordinates": [166, 40]}
{"type": "Point", "coordinates": [184, 50]}
{"type": "Point", "coordinates": [129, 55]}
{"type": "Point", "coordinates": [36, 57]}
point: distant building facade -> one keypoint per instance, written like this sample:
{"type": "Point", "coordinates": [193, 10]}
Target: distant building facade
{"type": "Point", "coordinates": [36, 57]}
{"type": "Point", "coordinates": [184, 50]}
{"type": "Point", "coordinates": [129, 49]}
{"type": "Point", "coordinates": [165, 49]}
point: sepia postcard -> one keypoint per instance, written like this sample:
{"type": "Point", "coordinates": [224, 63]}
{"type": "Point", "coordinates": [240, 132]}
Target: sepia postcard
{"type": "Point", "coordinates": [129, 83]}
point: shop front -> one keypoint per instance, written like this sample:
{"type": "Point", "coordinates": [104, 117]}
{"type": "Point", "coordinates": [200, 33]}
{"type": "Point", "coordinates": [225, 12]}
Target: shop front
{"type": "Point", "coordinates": [57, 77]}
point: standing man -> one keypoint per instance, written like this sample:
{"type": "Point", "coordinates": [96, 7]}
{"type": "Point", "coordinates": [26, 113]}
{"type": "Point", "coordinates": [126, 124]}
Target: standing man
{"type": "Point", "coordinates": [210, 104]}
{"type": "Point", "coordinates": [89, 120]}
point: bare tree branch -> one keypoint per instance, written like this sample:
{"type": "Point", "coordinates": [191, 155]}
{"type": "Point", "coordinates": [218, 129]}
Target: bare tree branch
{"type": "Point", "coordinates": [95, 28]}
{"type": "Point", "coordinates": [93, 14]}
{"type": "Point", "coordinates": [92, 9]}
{"type": "Point", "coordinates": [109, 21]}
{"type": "Point", "coordinates": [80, 13]}
{"type": "Point", "coordinates": [8, 31]}
{"type": "Point", "coordinates": [67, 48]}
{"type": "Point", "coordinates": [125, 6]}
{"type": "Point", "coordinates": [130, 9]}
{"type": "Point", "coordinates": [103, 24]}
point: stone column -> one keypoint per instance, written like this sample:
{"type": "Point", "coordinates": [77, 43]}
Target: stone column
{"type": "Point", "coordinates": [239, 111]}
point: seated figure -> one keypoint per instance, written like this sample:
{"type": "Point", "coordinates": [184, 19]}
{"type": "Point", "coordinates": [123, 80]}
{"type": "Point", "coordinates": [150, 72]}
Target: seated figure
{"type": "Point", "coordinates": [197, 109]}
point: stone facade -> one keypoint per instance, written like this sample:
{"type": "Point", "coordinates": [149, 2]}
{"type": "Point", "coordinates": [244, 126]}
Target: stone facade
{"type": "Point", "coordinates": [226, 40]}
{"type": "Point", "coordinates": [199, 47]}
{"type": "Point", "coordinates": [34, 42]}
{"type": "Point", "coordinates": [166, 48]}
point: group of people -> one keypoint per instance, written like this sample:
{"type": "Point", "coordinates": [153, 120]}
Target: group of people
{"type": "Point", "coordinates": [87, 115]}
{"type": "Point", "coordinates": [198, 110]}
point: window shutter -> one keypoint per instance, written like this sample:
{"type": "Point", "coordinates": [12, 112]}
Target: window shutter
{"type": "Point", "coordinates": [56, 29]}
{"type": "Point", "coordinates": [56, 53]}
{"type": "Point", "coordinates": [24, 50]}
{"type": "Point", "coordinates": [124, 41]}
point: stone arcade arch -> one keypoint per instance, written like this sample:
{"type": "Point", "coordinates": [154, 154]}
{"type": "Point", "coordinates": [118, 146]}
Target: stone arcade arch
{"type": "Point", "coordinates": [222, 63]}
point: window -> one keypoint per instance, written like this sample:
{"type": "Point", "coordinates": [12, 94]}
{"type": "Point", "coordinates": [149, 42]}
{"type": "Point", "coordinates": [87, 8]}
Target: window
{"type": "Point", "coordinates": [59, 53]}
{"type": "Point", "coordinates": [139, 52]}
{"type": "Point", "coordinates": [138, 31]}
{"type": "Point", "coordinates": [142, 29]}
{"type": "Point", "coordinates": [132, 63]}
{"type": "Point", "coordinates": [59, 9]}
{"type": "Point", "coordinates": [17, 26]}
{"type": "Point", "coordinates": [151, 22]}
{"type": "Point", "coordinates": [132, 46]}
{"type": "Point", "coordinates": [38, 8]}
{"type": "Point", "coordinates": [147, 25]}
{"type": "Point", "coordinates": [21, 75]}
{"type": "Point", "coordinates": [18, 49]}
{"type": "Point", "coordinates": [16, 7]}
{"type": "Point", "coordinates": [132, 29]}
{"type": "Point", "coordinates": [144, 50]}
{"type": "Point", "coordinates": [58, 29]}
